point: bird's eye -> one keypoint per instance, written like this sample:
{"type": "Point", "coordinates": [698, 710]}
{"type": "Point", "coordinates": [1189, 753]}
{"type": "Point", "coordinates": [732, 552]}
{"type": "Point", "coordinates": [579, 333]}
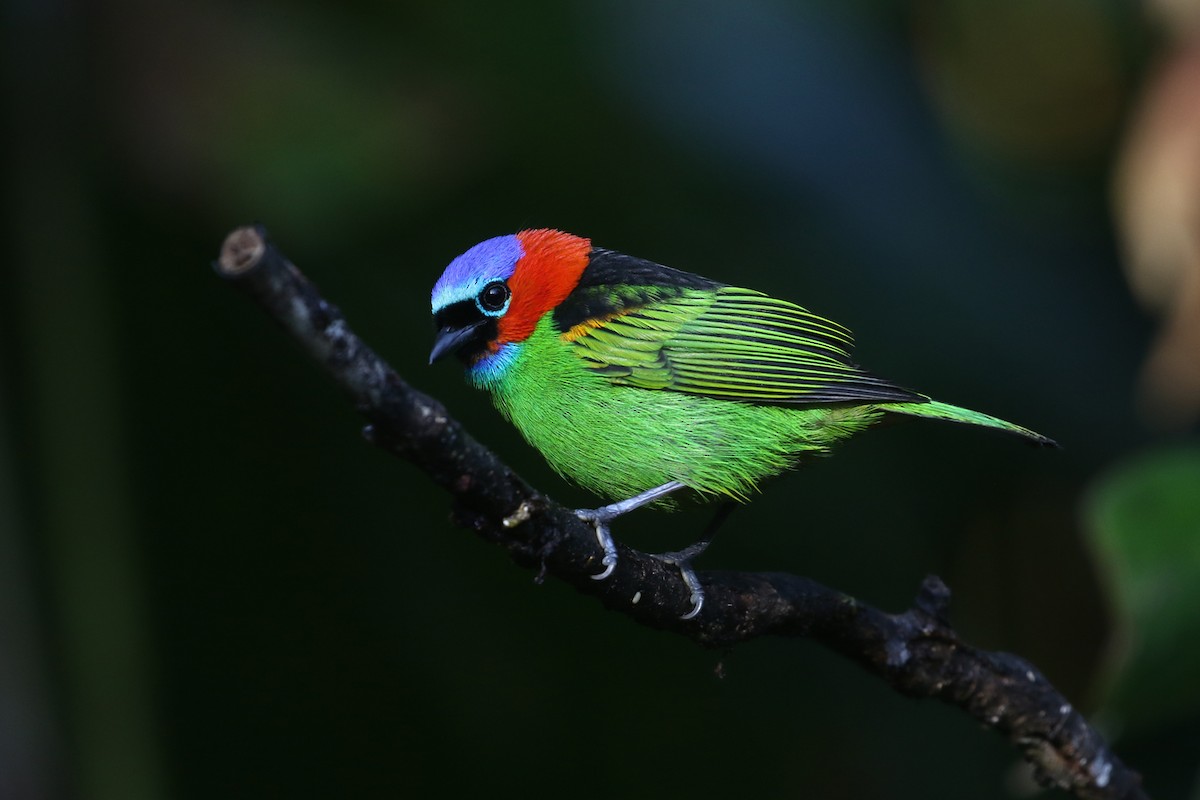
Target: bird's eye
{"type": "Point", "coordinates": [494, 296]}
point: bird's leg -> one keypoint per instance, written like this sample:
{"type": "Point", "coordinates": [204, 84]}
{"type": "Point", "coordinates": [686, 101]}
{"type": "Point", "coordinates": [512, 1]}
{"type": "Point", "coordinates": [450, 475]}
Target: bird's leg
{"type": "Point", "coordinates": [600, 517]}
{"type": "Point", "coordinates": [682, 559]}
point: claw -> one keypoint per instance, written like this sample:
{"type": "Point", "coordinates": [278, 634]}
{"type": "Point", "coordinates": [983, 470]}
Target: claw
{"type": "Point", "coordinates": [693, 583]}
{"type": "Point", "coordinates": [610, 563]}
{"type": "Point", "coordinates": [682, 560]}
{"type": "Point", "coordinates": [604, 537]}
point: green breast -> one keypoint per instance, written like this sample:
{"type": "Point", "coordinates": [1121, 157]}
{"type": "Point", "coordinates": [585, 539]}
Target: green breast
{"type": "Point", "coordinates": [618, 440]}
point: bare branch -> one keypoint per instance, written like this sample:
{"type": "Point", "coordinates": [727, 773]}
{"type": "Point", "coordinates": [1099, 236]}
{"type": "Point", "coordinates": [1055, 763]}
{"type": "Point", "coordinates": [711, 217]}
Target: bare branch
{"type": "Point", "coordinates": [916, 652]}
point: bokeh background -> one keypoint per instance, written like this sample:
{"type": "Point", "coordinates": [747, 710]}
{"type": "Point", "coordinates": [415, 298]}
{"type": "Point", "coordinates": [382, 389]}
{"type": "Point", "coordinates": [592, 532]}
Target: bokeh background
{"type": "Point", "coordinates": [210, 586]}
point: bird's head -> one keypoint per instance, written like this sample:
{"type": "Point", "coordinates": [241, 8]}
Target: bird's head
{"type": "Point", "coordinates": [491, 297]}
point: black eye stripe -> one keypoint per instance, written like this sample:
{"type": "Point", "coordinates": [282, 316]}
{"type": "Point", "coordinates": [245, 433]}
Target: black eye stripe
{"type": "Point", "coordinates": [458, 315]}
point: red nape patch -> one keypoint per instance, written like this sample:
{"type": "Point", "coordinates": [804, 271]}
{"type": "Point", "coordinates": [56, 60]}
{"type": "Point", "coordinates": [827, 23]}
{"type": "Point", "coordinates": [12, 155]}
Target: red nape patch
{"type": "Point", "coordinates": [545, 275]}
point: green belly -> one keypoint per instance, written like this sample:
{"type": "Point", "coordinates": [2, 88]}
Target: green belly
{"type": "Point", "coordinates": [618, 441]}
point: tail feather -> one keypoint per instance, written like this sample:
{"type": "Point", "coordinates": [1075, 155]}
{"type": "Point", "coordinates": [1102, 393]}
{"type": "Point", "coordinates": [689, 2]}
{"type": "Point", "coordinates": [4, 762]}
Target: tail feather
{"type": "Point", "coordinates": [944, 411]}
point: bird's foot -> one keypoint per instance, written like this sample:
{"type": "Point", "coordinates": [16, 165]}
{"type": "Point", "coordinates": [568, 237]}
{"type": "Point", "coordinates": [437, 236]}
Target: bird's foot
{"type": "Point", "coordinates": [682, 561]}
{"type": "Point", "coordinates": [600, 517]}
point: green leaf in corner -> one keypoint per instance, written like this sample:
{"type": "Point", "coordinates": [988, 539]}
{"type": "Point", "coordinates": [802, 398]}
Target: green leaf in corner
{"type": "Point", "coordinates": [1143, 525]}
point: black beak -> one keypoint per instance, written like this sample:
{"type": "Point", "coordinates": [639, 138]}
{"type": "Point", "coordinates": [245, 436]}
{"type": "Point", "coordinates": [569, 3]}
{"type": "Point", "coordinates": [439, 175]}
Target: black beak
{"type": "Point", "coordinates": [449, 338]}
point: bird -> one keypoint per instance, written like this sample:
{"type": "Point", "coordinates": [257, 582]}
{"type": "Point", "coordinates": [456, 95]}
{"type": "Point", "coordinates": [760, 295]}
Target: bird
{"type": "Point", "coordinates": [637, 381]}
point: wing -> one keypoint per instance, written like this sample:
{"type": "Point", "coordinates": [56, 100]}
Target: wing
{"type": "Point", "coordinates": [719, 341]}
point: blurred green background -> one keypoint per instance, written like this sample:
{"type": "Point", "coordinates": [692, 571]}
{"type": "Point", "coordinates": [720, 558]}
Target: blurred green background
{"type": "Point", "coordinates": [211, 587]}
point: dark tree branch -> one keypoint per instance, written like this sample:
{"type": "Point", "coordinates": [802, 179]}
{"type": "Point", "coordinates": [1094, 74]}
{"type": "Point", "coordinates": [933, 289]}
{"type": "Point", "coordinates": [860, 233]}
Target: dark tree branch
{"type": "Point", "coordinates": [916, 652]}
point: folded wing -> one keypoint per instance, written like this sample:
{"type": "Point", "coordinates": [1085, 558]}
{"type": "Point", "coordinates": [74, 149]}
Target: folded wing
{"type": "Point", "coordinates": [725, 342]}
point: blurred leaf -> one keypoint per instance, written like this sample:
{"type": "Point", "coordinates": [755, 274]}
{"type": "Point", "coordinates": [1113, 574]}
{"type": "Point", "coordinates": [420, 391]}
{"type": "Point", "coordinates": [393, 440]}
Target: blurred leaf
{"type": "Point", "coordinates": [1157, 203]}
{"type": "Point", "coordinates": [1144, 528]}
